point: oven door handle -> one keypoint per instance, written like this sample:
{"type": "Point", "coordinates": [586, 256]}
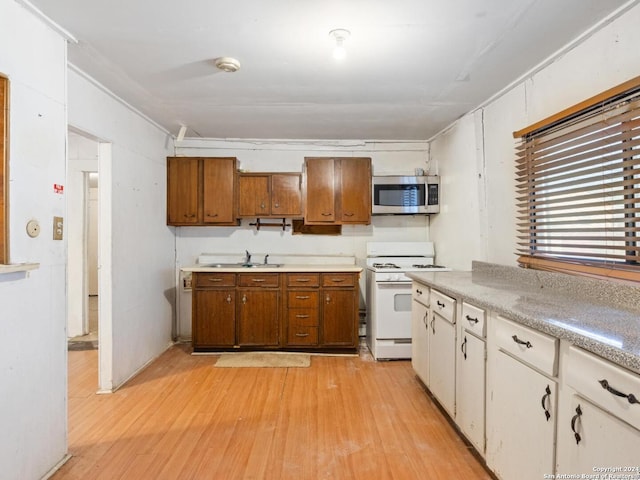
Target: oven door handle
{"type": "Point", "coordinates": [404, 284]}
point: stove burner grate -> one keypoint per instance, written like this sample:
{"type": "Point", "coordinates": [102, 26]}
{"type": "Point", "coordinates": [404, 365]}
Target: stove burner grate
{"type": "Point", "coordinates": [385, 265]}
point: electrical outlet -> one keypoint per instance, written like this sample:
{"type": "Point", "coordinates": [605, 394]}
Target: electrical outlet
{"type": "Point", "coordinates": [58, 228]}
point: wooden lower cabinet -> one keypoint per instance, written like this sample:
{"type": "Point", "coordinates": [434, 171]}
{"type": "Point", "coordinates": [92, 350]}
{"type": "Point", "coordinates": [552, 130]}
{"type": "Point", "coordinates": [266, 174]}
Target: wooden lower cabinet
{"type": "Point", "coordinates": [296, 311]}
{"type": "Point", "coordinates": [258, 317]}
{"type": "Point", "coordinates": [338, 309]}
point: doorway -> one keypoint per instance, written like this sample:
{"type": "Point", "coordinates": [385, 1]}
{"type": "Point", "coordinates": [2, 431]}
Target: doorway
{"type": "Point", "coordinates": [88, 260]}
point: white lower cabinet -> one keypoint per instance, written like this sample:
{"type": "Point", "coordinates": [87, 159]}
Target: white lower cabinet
{"type": "Point", "coordinates": [442, 350]}
{"type": "Point", "coordinates": [419, 331]}
{"type": "Point", "coordinates": [602, 440]}
{"type": "Point", "coordinates": [599, 426]}
{"type": "Point", "coordinates": [521, 403]}
{"type": "Point", "coordinates": [470, 378]}
{"type": "Point", "coordinates": [442, 362]}
{"type": "Point", "coordinates": [533, 406]}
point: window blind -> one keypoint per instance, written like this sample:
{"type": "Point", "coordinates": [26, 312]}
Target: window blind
{"type": "Point", "coordinates": [578, 186]}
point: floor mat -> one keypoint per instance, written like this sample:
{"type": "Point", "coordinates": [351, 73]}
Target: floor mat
{"type": "Point", "coordinates": [263, 359]}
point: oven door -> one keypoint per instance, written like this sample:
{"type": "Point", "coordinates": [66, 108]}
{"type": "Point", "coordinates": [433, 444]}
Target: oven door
{"type": "Point", "coordinates": [392, 305]}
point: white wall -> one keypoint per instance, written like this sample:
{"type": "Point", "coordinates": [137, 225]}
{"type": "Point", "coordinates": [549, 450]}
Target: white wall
{"type": "Point", "coordinates": [33, 361]}
{"type": "Point", "coordinates": [605, 59]}
{"type": "Point", "coordinates": [282, 156]}
{"type": "Point", "coordinates": [137, 249]}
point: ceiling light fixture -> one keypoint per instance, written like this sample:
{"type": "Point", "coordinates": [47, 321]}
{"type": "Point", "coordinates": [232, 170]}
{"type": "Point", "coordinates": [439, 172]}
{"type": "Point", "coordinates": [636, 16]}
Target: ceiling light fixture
{"type": "Point", "coordinates": [227, 64]}
{"type": "Point", "coordinates": [339, 35]}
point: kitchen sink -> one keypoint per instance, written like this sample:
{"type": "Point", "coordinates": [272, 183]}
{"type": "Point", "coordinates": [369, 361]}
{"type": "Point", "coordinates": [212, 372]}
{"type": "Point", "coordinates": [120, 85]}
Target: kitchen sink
{"type": "Point", "coordinates": [243, 265]}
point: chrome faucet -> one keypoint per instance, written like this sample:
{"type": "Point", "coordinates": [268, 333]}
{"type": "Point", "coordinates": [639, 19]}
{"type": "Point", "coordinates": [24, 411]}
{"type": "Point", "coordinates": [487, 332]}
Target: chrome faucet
{"type": "Point", "coordinates": [265, 258]}
{"type": "Point", "coordinates": [247, 258]}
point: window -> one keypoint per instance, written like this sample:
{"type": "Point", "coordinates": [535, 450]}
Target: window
{"type": "Point", "coordinates": [4, 181]}
{"type": "Point", "coordinates": [578, 188]}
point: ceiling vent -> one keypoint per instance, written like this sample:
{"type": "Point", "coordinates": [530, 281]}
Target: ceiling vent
{"type": "Point", "coordinates": [227, 64]}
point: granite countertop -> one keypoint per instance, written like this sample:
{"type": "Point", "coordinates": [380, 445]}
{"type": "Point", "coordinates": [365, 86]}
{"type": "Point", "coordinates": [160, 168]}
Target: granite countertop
{"type": "Point", "coordinates": [284, 268]}
{"type": "Point", "coordinates": [600, 316]}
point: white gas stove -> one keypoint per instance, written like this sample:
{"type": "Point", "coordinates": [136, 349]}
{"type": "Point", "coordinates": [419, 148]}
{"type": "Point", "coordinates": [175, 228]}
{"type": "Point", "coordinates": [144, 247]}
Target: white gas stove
{"type": "Point", "coordinates": [389, 294]}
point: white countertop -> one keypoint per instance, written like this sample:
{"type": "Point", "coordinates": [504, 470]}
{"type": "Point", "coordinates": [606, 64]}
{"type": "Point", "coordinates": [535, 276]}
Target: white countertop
{"type": "Point", "coordinates": [281, 269]}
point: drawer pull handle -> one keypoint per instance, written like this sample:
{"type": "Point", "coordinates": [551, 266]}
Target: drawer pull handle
{"type": "Point", "coordinates": [573, 424]}
{"type": "Point", "coordinates": [258, 280]}
{"type": "Point", "coordinates": [302, 316]}
{"type": "Point", "coordinates": [630, 397]}
{"type": "Point", "coordinates": [463, 347]}
{"type": "Point", "coordinates": [337, 280]}
{"type": "Point", "coordinates": [215, 279]}
{"type": "Point", "coordinates": [302, 297]}
{"type": "Point", "coordinates": [471, 319]}
{"type": "Point", "coordinates": [522, 342]}
{"type": "Point", "coordinates": [212, 216]}
{"type": "Point", "coordinates": [302, 334]}
{"type": "Point", "coordinates": [325, 214]}
{"type": "Point", "coordinates": [303, 280]}
{"type": "Point", "coordinates": [545, 397]}
{"type": "Point", "coordinates": [440, 304]}
{"type": "Point", "coordinates": [349, 214]}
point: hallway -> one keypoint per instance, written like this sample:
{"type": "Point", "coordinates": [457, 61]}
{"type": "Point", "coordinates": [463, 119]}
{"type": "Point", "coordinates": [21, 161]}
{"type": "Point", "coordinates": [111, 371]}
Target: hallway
{"type": "Point", "coordinates": [343, 417]}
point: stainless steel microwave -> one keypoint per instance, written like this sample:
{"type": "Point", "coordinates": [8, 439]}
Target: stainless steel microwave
{"type": "Point", "coordinates": [405, 195]}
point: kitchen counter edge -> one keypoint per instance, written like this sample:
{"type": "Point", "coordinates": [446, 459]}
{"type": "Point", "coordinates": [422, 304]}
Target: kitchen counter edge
{"type": "Point", "coordinates": [297, 268]}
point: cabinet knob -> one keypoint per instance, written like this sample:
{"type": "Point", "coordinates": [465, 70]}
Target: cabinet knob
{"type": "Point", "coordinates": [276, 205]}
{"type": "Point", "coordinates": [244, 299]}
{"type": "Point", "coordinates": [328, 299]}
{"type": "Point", "coordinates": [228, 298]}
{"type": "Point", "coordinates": [262, 205]}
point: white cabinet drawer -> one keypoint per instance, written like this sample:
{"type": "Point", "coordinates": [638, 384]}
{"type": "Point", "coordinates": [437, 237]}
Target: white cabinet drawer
{"type": "Point", "coordinates": [604, 383]}
{"type": "Point", "coordinates": [443, 305]}
{"type": "Point", "coordinates": [473, 319]}
{"type": "Point", "coordinates": [420, 293]}
{"type": "Point", "coordinates": [530, 346]}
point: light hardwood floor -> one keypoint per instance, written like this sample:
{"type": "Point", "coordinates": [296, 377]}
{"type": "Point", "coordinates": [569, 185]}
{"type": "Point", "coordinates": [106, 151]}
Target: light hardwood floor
{"type": "Point", "coordinates": [181, 418]}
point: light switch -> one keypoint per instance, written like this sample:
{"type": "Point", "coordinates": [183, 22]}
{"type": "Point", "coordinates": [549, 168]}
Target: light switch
{"type": "Point", "coordinates": [58, 228]}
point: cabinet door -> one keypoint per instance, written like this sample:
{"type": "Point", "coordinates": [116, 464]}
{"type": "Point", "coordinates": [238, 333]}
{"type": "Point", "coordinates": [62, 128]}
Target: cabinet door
{"type": "Point", "coordinates": [182, 190]}
{"type": "Point", "coordinates": [442, 362]}
{"type": "Point", "coordinates": [253, 194]}
{"type": "Point", "coordinates": [520, 437]}
{"type": "Point", "coordinates": [470, 391]}
{"type": "Point", "coordinates": [258, 317]}
{"type": "Point", "coordinates": [339, 317]}
{"type": "Point", "coordinates": [419, 341]}
{"type": "Point", "coordinates": [214, 318]}
{"type": "Point", "coordinates": [218, 190]}
{"type": "Point", "coordinates": [603, 440]}
{"type": "Point", "coordinates": [320, 192]}
{"type": "Point", "coordinates": [286, 196]}
{"type": "Point", "coordinates": [355, 190]}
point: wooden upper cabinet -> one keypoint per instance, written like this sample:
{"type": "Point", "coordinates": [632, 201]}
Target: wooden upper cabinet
{"type": "Point", "coordinates": [182, 190]}
{"type": "Point", "coordinates": [201, 191]}
{"type": "Point", "coordinates": [269, 195]}
{"type": "Point", "coordinates": [355, 190]}
{"type": "Point", "coordinates": [338, 191]}
{"type": "Point", "coordinates": [218, 187]}
{"type": "Point", "coordinates": [320, 194]}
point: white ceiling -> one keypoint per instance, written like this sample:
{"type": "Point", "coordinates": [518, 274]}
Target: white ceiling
{"type": "Point", "coordinates": [413, 66]}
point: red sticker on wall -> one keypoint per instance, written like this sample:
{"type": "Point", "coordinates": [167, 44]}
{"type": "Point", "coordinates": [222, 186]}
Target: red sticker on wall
{"type": "Point", "coordinates": [58, 188]}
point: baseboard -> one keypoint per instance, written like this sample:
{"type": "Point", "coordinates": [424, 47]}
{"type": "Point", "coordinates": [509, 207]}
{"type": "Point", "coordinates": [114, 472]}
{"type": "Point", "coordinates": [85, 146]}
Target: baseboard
{"type": "Point", "coordinates": [57, 467]}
